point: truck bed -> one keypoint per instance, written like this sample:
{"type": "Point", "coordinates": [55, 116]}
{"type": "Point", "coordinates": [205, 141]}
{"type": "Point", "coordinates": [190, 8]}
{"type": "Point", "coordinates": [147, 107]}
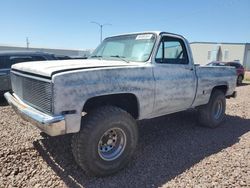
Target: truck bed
{"type": "Point", "coordinates": [211, 76]}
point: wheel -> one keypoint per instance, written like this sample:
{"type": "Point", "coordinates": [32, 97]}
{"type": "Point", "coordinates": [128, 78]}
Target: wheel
{"type": "Point", "coordinates": [106, 141]}
{"type": "Point", "coordinates": [239, 79]}
{"type": "Point", "coordinates": [213, 113]}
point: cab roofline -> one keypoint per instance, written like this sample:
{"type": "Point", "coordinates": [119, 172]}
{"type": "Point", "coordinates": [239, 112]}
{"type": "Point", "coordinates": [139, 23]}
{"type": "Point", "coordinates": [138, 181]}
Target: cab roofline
{"type": "Point", "coordinates": [145, 32]}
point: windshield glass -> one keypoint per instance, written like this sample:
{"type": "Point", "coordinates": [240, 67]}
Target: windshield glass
{"type": "Point", "coordinates": [136, 47]}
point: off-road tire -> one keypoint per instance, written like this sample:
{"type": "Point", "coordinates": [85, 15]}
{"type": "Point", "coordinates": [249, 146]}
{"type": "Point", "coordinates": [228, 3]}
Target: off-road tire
{"type": "Point", "coordinates": [206, 113]}
{"type": "Point", "coordinates": [85, 143]}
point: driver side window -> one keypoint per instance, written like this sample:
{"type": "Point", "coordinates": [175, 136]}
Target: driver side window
{"type": "Point", "coordinates": [172, 51]}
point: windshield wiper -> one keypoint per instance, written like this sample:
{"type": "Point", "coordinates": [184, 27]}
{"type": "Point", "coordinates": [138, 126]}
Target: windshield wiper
{"type": "Point", "coordinates": [120, 57]}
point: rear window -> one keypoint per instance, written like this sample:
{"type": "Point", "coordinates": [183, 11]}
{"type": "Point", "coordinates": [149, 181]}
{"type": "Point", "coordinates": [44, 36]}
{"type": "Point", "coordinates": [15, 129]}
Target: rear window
{"type": "Point", "coordinates": [236, 65]}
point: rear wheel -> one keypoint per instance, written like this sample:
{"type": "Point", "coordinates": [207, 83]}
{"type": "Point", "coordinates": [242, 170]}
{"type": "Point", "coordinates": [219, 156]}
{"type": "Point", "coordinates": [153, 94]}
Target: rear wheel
{"type": "Point", "coordinates": [106, 142]}
{"type": "Point", "coordinates": [239, 80]}
{"type": "Point", "coordinates": [213, 113]}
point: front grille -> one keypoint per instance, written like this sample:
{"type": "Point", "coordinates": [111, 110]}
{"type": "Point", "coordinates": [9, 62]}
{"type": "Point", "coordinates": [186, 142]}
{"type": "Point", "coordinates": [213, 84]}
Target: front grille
{"type": "Point", "coordinates": [36, 93]}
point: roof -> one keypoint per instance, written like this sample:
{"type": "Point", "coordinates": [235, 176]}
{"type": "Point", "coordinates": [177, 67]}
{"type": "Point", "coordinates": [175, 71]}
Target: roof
{"type": "Point", "coordinates": [144, 32]}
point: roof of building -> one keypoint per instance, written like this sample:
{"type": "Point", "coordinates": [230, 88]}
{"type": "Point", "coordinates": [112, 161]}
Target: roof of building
{"type": "Point", "coordinates": [230, 43]}
{"type": "Point", "coordinates": [15, 52]}
{"type": "Point", "coordinates": [40, 48]}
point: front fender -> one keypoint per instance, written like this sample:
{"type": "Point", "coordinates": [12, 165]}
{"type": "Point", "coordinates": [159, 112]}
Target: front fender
{"type": "Point", "coordinates": [72, 89]}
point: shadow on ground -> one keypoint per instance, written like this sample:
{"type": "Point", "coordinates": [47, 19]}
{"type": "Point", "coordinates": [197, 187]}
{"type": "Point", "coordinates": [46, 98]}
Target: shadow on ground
{"type": "Point", "coordinates": [3, 102]}
{"type": "Point", "coordinates": [244, 84]}
{"type": "Point", "coordinates": [168, 146]}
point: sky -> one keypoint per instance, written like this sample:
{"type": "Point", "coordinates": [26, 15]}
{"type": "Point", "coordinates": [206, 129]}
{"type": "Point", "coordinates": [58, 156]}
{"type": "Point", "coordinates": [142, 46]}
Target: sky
{"type": "Point", "coordinates": [67, 23]}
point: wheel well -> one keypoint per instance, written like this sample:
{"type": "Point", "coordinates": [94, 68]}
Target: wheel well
{"type": "Point", "coordinates": [241, 75]}
{"type": "Point", "coordinates": [125, 101]}
{"type": "Point", "coordinates": [222, 88]}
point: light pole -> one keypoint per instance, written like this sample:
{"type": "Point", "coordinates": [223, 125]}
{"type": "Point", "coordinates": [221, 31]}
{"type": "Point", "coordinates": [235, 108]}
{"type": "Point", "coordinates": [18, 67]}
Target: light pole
{"type": "Point", "coordinates": [27, 43]}
{"type": "Point", "coordinates": [101, 26]}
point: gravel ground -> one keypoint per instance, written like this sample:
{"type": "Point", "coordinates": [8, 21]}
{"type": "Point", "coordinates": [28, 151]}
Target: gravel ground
{"type": "Point", "coordinates": [172, 152]}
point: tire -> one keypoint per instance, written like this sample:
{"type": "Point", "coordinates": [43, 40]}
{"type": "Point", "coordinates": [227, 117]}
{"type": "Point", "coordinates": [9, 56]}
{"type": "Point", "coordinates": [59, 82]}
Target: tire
{"type": "Point", "coordinates": [239, 80]}
{"type": "Point", "coordinates": [88, 146]}
{"type": "Point", "coordinates": [213, 114]}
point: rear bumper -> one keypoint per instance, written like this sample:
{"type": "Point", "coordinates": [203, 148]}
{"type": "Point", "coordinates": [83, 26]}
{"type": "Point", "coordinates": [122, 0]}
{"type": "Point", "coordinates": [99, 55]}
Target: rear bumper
{"type": "Point", "coordinates": [51, 125]}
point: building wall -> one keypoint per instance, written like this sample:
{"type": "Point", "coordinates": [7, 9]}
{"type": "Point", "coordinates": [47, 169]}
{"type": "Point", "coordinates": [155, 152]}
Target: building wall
{"type": "Point", "coordinates": [235, 52]}
{"type": "Point", "coordinates": [247, 57]}
{"type": "Point", "coordinates": [204, 53]}
{"type": "Point", "coordinates": [54, 51]}
{"type": "Point", "coordinates": [200, 52]}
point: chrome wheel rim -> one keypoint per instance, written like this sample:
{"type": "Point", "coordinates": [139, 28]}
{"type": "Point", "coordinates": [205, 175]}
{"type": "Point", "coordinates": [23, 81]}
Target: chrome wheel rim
{"type": "Point", "coordinates": [218, 110]}
{"type": "Point", "coordinates": [112, 144]}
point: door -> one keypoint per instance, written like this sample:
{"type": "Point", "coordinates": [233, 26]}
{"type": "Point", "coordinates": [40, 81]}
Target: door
{"type": "Point", "coordinates": [175, 79]}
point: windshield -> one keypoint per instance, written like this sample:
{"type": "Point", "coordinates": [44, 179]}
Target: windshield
{"type": "Point", "coordinates": [136, 47]}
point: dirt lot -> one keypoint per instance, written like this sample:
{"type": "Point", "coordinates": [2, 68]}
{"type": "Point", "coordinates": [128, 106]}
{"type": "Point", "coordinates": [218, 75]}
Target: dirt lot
{"type": "Point", "coordinates": [173, 152]}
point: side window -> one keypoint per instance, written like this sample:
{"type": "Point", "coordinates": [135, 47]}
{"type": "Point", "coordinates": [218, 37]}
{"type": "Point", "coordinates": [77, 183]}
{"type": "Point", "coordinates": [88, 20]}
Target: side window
{"type": "Point", "coordinates": [172, 51]}
{"type": "Point", "coordinates": [38, 58]}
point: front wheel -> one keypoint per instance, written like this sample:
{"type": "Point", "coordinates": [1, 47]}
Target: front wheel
{"type": "Point", "coordinates": [212, 114]}
{"type": "Point", "coordinates": [106, 142]}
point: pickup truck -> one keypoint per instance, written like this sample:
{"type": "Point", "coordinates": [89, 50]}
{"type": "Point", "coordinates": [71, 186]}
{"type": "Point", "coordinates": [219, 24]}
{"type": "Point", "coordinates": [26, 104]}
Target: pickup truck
{"type": "Point", "coordinates": [128, 77]}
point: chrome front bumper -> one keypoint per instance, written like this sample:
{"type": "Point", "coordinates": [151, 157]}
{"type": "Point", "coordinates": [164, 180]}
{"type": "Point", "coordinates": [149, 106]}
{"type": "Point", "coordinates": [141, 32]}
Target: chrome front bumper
{"type": "Point", "coordinates": [51, 125]}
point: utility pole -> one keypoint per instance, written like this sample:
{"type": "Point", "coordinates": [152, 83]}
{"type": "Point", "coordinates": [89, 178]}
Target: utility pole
{"type": "Point", "coordinates": [27, 43]}
{"type": "Point", "coordinates": [101, 28]}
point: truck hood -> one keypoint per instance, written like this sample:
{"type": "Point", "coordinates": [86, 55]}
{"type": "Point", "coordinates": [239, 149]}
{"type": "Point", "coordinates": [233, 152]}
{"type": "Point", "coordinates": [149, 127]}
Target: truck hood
{"type": "Point", "coordinates": [48, 68]}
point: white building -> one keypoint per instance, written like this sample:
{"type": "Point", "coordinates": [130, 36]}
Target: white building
{"type": "Point", "coordinates": [205, 52]}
